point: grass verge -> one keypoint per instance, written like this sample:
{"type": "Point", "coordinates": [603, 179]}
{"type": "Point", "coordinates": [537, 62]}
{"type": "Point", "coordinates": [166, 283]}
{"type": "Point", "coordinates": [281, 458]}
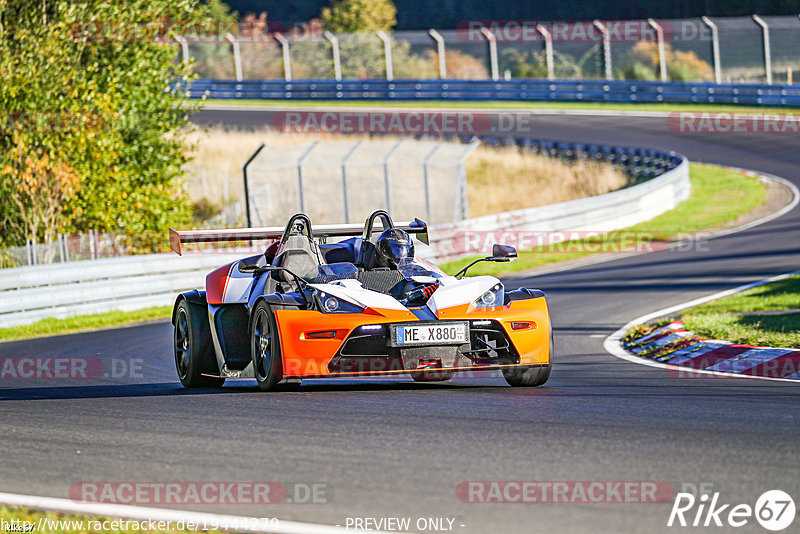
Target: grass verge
{"type": "Point", "coordinates": [79, 323]}
{"type": "Point", "coordinates": [502, 104]}
{"type": "Point", "coordinates": [767, 315]}
{"type": "Point", "coordinates": [719, 197]}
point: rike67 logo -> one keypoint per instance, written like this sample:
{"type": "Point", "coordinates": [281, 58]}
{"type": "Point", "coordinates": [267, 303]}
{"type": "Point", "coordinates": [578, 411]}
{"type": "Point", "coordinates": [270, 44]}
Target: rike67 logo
{"type": "Point", "coordinates": [774, 510]}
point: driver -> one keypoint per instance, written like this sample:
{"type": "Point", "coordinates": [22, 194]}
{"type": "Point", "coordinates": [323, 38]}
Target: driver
{"type": "Point", "coordinates": [392, 246]}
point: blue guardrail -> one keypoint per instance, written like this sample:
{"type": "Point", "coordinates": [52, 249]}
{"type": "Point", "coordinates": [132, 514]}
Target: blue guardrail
{"type": "Point", "coordinates": [513, 90]}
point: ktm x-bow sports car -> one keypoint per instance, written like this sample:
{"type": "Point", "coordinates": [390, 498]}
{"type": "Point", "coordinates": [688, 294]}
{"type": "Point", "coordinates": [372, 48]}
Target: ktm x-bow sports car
{"type": "Point", "coordinates": [350, 300]}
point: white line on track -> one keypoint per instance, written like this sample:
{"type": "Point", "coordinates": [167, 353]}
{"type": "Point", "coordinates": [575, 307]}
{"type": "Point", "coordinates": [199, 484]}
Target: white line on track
{"type": "Point", "coordinates": [142, 513]}
{"type": "Point", "coordinates": [613, 343]}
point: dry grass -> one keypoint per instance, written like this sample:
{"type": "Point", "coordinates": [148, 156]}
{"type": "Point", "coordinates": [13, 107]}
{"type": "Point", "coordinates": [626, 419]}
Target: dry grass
{"type": "Point", "coordinates": [505, 179]}
{"type": "Point", "coordinates": [498, 179]}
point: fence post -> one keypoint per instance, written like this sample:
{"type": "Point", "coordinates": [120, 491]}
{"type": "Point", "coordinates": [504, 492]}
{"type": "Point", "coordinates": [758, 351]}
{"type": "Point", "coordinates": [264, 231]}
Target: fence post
{"type": "Point", "coordinates": [237, 58]}
{"type": "Point", "coordinates": [436, 36]}
{"type": "Point", "coordinates": [246, 191]}
{"type": "Point", "coordinates": [714, 49]}
{"type": "Point", "coordinates": [287, 59]}
{"type": "Point", "coordinates": [462, 176]}
{"type": "Point", "coordinates": [548, 50]}
{"type": "Point", "coordinates": [62, 248]}
{"type": "Point", "coordinates": [184, 47]}
{"type": "Point", "coordinates": [387, 52]}
{"type": "Point", "coordinates": [662, 53]}
{"type": "Point", "coordinates": [300, 174]}
{"type": "Point", "coordinates": [337, 63]}
{"type": "Point", "coordinates": [29, 250]}
{"type": "Point", "coordinates": [426, 186]}
{"type": "Point", "coordinates": [344, 180]}
{"type": "Point", "coordinates": [606, 48]}
{"type": "Point", "coordinates": [386, 174]}
{"type": "Point", "coordinates": [93, 244]}
{"type": "Point", "coordinates": [492, 52]}
{"type": "Point", "coordinates": [767, 47]}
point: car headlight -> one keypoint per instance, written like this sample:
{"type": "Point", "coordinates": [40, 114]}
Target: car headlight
{"type": "Point", "coordinates": [494, 297]}
{"type": "Point", "coordinates": [330, 304]}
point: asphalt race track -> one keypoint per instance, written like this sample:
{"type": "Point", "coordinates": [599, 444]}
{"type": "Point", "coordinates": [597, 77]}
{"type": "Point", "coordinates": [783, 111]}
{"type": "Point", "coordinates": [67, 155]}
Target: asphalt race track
{"type": "Point", "coordinates": [400, 449]}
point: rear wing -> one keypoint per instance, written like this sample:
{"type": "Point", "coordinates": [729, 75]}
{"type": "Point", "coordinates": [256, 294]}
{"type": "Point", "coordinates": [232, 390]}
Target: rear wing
{"type": "Point", "coordinates": [177, 238]}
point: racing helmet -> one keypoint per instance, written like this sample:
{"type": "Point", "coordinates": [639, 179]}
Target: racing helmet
{"type": "Point", "coordinates": [394, 245]}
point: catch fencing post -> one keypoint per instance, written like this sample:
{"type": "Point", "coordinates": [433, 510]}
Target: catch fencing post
{"type": "Point", "coordinates": [386, 174]}
{"type": "Point", "coordinates": [548, 50]}
{"type": "Point", "coordinates": [300, 174]}
{"type": "Point", "coordinates": [436, 36]}
{"type": "Point", "coordinates": [237, 58]}
{"type": "Point", "coordinates": [184, 47]}
{"type": "Point", "coordinates": [62, 248]}
{"type": "Point", "coordinates": [767, 47]}
{"type": "Point", "coordinates": [662, 53]}
{"type": "Point", "coordinates": [606, 48]}
{"type": "Point", "coordinates": [425, 182]}
{"type": "Point", "coordinates": [287, 59]}
{"type": "Point", "coordinates": [337, 63]}
{"type": "Point", "coordinates": [344, 180]}
{"type": "Point", "coordinates": [244, 176]}
{"type": "Point", "coordinates": [492, 52]}
{"type": "Point", "coordinates": [387, 52]}
{"type": "Point", "coordinates": [462, 178]}
{"type": "Point", "coordinates": [714, 49]}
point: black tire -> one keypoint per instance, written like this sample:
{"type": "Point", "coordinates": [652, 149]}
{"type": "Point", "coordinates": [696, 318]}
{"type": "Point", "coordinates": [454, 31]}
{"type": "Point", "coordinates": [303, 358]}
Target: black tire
{"type": "Point", "coordinates": [194, 354]}
{"type": "Point", "coordinates": [530, 376]}
{"type": "Point", "coordinates": [265, 349]}
{"type": "Point", "coordinates": [432, 376]}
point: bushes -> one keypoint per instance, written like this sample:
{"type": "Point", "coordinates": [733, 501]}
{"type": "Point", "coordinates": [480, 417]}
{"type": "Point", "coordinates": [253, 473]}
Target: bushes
{"type": "Point", "coordinates": [643, 64]}
{"type": "Point", "coordinates": [95, 120]}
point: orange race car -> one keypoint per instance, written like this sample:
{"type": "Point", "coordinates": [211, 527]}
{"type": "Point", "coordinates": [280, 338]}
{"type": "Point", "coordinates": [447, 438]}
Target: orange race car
{"type": "Point", "coordinates": [352, 300]}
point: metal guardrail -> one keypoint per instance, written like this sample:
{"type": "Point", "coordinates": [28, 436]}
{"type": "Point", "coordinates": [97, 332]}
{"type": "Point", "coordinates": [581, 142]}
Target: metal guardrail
{"type": "Point", "coordinates": [547, 224]}
{"type": "Point", "coordinates": [28, 294]}
{"type": "Point", "coordinates": [532, 90]}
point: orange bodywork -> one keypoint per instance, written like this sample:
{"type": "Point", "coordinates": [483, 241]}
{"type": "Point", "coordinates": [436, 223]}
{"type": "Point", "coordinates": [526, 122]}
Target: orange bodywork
{"type": "Point", "coordinates": [304, 357]}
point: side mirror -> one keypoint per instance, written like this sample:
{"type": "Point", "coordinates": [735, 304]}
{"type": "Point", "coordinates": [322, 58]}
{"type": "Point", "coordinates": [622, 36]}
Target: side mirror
{"type": "Point", "coordinates": [500, 253]}
{"type": "Point", "coordinates": [503, 253]}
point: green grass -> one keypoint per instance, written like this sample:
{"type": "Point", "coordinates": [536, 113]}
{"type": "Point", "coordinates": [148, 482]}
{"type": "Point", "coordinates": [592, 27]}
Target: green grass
{"type": "Point", "coordinates": [719, 196]}
{"type": "Point", "coordinates": [58, 523]}
{"type": "Point", "coordinates": [79, 323]}
{"type": "Point", "coordinates": [501, 104]}
{"type": "Point", "coordinates": [732, 318]}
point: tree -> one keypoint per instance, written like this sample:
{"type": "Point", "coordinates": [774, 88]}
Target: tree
{"type": "Point", "coordinates": [356, 16]}
{"type": "Point", "coordinates": [94, 89]}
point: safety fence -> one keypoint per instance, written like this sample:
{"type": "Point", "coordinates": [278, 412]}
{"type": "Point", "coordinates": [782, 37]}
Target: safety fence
{"type": "Point", "coordinates": [514, 90]}
{"type": "Point", "coordinates": [27, 294]}
{"type": "Point", "coordinates": [730, 50]}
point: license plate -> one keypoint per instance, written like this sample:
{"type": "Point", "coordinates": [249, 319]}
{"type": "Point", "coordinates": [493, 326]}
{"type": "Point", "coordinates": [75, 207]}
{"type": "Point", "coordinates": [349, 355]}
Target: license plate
{"type": "Point", "coordinates": [430, 334]}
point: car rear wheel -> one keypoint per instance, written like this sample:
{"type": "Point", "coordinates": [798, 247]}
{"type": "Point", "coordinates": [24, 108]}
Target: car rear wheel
{"type": "Point", "coordinates": [530, 376]}
{"type": "Point", "coordinates": [265, 348]}
{"type": "Point", "coordinates": [194, 356]}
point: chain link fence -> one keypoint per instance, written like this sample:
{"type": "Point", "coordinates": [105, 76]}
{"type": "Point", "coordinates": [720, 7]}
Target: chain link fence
{"type": "Point", "coordinates": [343, 182]}
{"type": "Point", "coordinates": [735, 50]}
